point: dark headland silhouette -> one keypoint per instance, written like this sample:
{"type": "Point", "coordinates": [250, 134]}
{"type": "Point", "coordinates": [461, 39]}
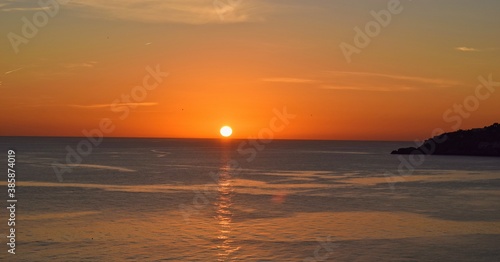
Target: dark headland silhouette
{"type": "Point", "coordinates": [474, 142]}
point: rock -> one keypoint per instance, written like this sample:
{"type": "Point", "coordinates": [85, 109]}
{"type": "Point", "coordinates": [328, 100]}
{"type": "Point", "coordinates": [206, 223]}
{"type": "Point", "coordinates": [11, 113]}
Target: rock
{"type": "Point", "coordinates": [475, 142]}
{"type": "Point", "coordinates": [406, 151]}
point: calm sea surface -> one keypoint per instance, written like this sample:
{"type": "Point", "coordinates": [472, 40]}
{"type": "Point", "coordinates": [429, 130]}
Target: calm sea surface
{"type": "Point", "coordinates": [214, 200]}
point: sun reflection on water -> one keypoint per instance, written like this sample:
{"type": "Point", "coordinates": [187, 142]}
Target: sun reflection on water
{"type": "Point", "coordinates": [225, 246]}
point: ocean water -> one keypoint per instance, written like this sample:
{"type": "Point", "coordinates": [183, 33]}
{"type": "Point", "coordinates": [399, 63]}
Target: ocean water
{"type": "Point", "coordinates": [218, 200]}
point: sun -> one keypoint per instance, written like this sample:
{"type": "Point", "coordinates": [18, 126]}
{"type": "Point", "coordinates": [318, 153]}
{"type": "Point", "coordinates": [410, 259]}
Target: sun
{"type": "Point", "coordinates": [226, 131]}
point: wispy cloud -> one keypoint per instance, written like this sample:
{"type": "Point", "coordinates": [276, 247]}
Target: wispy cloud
{"type": "Point", "coordinates": [435, 82]}
{"type": "Point", "coordinates": [289, 80]}
{"type": "Point", "coordinates": [22, 9]}
{"type": "Point", "coordinates": [20, 6]}
{"type": "Point", "coordinates": [466, 49]}
{"type": "Point", "coordinates": [116, 168]}
{"type": "Point", "coordinates": [13, 70]}
{"type": "Point", "coordinates": [369, 88]}
{"type": "Point", "coordinates": [472, 49]}
{"type": "Point", "coordinates": [177, 11]}
{"type": "Point", "coordinates": [88, 64]}
{"type": "Point", "coordinates": [98, 106]}
{"type": "Point", "coordinates": [366, 81]}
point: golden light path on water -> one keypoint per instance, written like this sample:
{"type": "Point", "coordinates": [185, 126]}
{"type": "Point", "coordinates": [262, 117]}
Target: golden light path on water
{"type": "Point", "coordinates": [224, 214]}
{"type": "Point", "coordinates": [223, 206]}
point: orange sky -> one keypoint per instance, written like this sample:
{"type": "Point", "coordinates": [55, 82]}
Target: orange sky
{"type": "Point", "coordinates": [233, 64]}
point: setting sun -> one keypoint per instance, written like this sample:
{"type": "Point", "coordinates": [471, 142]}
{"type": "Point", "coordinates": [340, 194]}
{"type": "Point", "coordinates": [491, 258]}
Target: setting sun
{"type": "Point", "coordinates": [226, 131]}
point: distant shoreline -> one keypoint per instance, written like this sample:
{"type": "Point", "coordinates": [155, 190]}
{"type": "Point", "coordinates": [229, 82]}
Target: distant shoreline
{"type": "Point", "coordinates": [474, 142]}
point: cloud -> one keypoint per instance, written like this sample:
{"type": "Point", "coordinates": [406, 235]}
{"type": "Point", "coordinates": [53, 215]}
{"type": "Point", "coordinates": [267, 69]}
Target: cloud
{"type": "Point", "coordinates": [97, 106]}
{"type": "Point", "coordinates": [13, 70]}
{"type": "Point", "coordinates": [116, 168]}
{"type": "Point", "coordinates": [369, 88]}
{"type": "Point", "coordinates": [21, 6]}
{"type": "Point", "coordinates": [401, 79]}
{"type": "Point", "coordinates": [466, 49]}
{"type": "Point", "coordinates": [165, 11]}
{"type": "Point", "coordinates": [367, 81]}
{"type": "Point", "coordinates": [6, 9]}
{"type": "Point", "coordinates": [176, 11]}
{"type": "Point", "coordinates": [472, 49]}
{"type": "Point", "coordinates": [289, 80]}
{"type": "Point", "coordinates": [88, 64]}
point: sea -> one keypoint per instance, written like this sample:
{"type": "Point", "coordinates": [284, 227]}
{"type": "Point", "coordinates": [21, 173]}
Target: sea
{"type": "Point", "coordinates": [135, 199]}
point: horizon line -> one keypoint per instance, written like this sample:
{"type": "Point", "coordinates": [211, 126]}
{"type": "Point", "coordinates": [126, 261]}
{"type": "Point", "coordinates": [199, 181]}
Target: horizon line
{"type": "Point", "coordinates": [206, 138]}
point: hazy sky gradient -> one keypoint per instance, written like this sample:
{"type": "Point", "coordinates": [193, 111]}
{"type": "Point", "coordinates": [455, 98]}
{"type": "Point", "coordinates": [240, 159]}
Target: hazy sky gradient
{"type": "Point", "coordinates": [234, 71]}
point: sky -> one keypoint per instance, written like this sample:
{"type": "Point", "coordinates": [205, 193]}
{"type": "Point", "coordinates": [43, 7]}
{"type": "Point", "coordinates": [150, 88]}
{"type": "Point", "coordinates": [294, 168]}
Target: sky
{"type": "Point", "coordinates": [342, 70]}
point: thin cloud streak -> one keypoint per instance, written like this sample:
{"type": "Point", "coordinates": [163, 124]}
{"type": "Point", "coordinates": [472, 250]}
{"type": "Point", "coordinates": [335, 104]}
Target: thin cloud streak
{"type": "Point", "coordinates": [467, 49]}
{"type": "Point", "coordinates": [357, 81]}
{"type": "Point", "coordinates": [21, 6]}
{"type": "Point", "coordinates": [289, 80]}
{"type": "Point", "coordinates": [14, 70]}
{"type": "Point", "coordinates": [97, 106]}
{"type": "Point", "coordinates": [472, 49]}
{"type": "Point", "coordinates": [175, 11]}
{"type": "Point", "coordinates": [21, 9]}
{"type": "Point", "coordinates": [88, 64]}
{"type": "Point", "coordinates": [434, 81]}
{"type": "Point", "coordinates": [370, 89]}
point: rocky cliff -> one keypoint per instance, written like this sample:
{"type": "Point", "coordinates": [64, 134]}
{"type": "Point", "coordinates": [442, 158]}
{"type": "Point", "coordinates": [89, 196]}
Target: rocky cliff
{"type": "Point", "coordinates": [474, 142]}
